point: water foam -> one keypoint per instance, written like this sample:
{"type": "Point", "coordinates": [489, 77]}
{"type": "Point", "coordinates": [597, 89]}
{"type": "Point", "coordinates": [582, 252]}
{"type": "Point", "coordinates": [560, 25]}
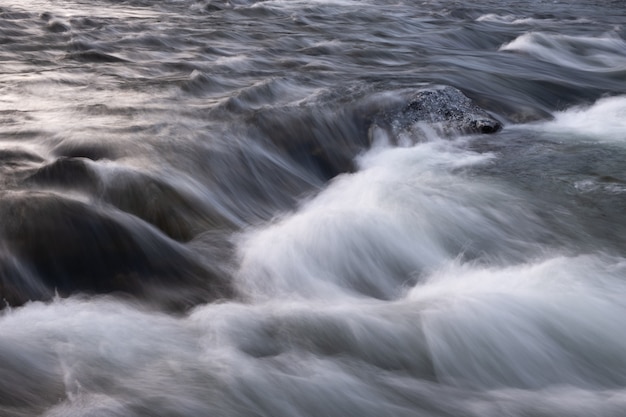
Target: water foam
{"type": "Point", "coordinates": [359, 303]}
{"type": "Point", "coordinates": [467, 340]}
{"type": "Point", "coordinates": [406, 211]}
{"type": "Point", "coordinates": [600, 54]}
{"type": "Point", "coordinates": [532, 325]}
{"type": "Point", "coordinates": [603, 121]}
{"type": "Point", "coordinates": [515, 20]}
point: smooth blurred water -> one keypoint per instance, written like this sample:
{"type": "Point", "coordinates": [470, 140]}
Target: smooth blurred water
{"type": "Point", "coordinates": [209, 208]}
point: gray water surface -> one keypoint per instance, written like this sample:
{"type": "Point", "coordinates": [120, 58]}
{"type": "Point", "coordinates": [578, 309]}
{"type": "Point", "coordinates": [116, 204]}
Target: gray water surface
{"type": "Point", "coordinates": [200, 217]}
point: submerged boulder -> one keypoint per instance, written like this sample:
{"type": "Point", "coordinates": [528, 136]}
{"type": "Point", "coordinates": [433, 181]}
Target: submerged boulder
{"type": "Point", "coordinates": [70, 246]}
{"type": "Point", "coordinates": [179, 215]}
{"type": "Point", "coordinates": [71, 173]}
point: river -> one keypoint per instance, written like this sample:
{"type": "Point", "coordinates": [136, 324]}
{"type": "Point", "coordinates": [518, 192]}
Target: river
{"type": "Point", "coordinates": [202, 215]}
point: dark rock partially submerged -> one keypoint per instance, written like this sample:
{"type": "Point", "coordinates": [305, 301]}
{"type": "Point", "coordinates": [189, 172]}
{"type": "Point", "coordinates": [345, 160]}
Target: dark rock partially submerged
{"type": "Point", "coordinates": [327, 140]}
{"type": "Point", "coordinates": [448, 108]}
{"type": "Point", "coordinates": [58, 244]}
{"type": "Point", "coordinates": [153, 199]}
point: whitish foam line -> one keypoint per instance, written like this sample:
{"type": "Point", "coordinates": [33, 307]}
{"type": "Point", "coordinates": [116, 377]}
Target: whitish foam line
{"type": "Point", "coordinates": [514, 20]}
{"type": "Point", "coordinates": [594, 54]}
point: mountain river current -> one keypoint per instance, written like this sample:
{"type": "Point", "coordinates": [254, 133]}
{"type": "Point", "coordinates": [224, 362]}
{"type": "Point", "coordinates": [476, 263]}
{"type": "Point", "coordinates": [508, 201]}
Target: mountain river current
{"type": "Point", "coordinates": [287, 208]}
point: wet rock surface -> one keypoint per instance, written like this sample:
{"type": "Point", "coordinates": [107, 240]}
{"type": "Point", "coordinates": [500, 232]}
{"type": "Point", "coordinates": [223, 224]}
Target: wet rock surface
{"type": "Point", "coordinates": [65, 246]}
{"type": "Point", "coordinates": [448, 109]}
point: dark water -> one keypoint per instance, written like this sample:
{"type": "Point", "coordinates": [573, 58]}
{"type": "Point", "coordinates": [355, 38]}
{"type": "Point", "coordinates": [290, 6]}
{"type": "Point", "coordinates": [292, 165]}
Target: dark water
{"type": "Point", "coordinates": [211, 208]}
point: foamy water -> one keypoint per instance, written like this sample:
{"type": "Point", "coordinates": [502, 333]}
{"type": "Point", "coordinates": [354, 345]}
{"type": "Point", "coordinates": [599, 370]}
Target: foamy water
{"type": "Point", "coordinates": [215, 209]}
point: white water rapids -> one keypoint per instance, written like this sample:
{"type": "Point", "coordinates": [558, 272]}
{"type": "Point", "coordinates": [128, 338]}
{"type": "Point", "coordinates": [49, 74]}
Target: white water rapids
{"type": "Point", "coordinates": [239, 208]}
{"type": "Point", "coordinates": [360, 302]}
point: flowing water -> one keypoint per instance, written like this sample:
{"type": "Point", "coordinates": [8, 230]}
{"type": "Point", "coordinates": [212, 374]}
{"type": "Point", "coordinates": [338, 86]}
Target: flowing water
{"type": "Point", "coordinates": [199, 216]}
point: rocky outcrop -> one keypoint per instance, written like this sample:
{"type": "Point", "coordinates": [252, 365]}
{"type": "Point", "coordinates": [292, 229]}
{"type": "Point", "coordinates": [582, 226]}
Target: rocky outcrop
{"type": "Point", "coordinates": [449, 111]}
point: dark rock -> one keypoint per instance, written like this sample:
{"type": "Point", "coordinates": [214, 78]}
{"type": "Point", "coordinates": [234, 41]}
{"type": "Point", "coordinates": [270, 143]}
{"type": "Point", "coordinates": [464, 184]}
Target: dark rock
{"type": "Point", "coordinates": [448, 110]}
{"type": "Point", "coordinates": [152, 199]}
{"type": "Point", "coordinates": [71, 246]}
{"type": "Point", "coordinates": [75, 173]}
